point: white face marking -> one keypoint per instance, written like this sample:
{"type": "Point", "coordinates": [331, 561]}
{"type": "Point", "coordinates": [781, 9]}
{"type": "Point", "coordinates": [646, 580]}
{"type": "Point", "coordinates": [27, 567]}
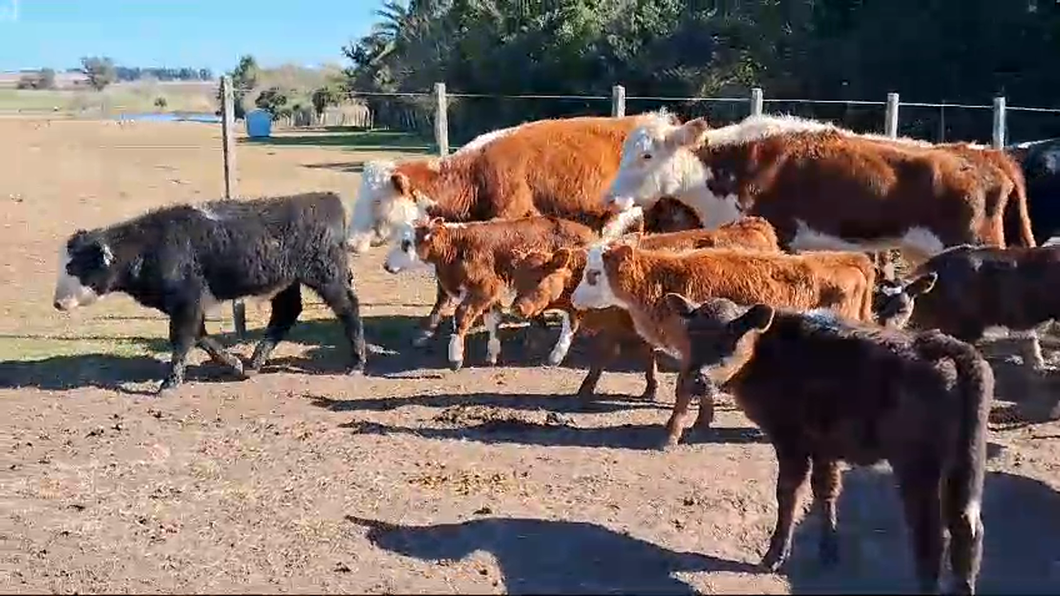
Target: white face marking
{"type": "Point", "coordinates": [559, 351]}
{"type": "Point", "coordinates": [403, 255]}
{"type": "Point", "coordinates": [594, 289]}
{"type": "Point", "coordinates": [378, 210]}
{"type": "Point", "coordinates": [652, 166]}
{"type": "Point", "coordinates": [625, 219]}
{"type": "Point", "coordinates": [492, 319]}
{"type": "Point", "coordinates": [70, 293]}
{"type": "Point", "coordinates": [891, 290]}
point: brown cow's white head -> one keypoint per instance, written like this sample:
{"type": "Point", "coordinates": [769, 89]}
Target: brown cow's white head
{"type": "Point", "coordinates": [658, 160]}
{"type": "Point", "coordinates": [385, 205]}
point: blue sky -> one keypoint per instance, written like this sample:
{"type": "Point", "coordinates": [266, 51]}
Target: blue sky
{"type": "Point", "coordinates": [197, 33]}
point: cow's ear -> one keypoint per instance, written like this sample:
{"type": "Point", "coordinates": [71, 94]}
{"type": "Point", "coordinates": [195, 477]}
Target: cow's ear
{"type": "Point", "coordinates": [560, 259]}
{"type": "Point", "coordinates": [437, 222]}
{"type": "Point", "coordinates": [401, 183]}
{"type": "Point", "coordinates": [757, 318]}
{"type": "Point", "coordinates": [689, 134]}
{"type": "Point", "coordinates": [679, 305]}
{"type": "Point", "coordinates": [102, 256]}
{"type": "Point", "coordinates": [621, 252]}
{"type": "Point", "coordinates": [922, 284]}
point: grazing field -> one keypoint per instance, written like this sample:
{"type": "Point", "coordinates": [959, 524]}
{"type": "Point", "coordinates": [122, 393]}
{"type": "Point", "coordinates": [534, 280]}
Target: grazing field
{"type": "Point", "coordinates": [415, 478]}
{"type": "Point", "coordinates": [127, 97]}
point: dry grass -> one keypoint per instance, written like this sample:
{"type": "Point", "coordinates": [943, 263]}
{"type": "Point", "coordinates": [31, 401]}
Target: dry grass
{"type": "Point", "coordinates": [414, 479]}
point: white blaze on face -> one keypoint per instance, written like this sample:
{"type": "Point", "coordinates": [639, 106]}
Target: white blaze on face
{"type": "Point", "coordinates": [403, 255]}
{"type": "Point", "coordinates": [594, 290]}
{"type": "Point", "coordinates": [653, 165]}
{"type": "Point", "coordinates": [70, 293]}
{"type": "Point", "coordinates": [379, 210]}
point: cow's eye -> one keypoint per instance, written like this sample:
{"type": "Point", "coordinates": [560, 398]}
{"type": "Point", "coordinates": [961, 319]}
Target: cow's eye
{"type": "Point", "coordinates": [406, 245]}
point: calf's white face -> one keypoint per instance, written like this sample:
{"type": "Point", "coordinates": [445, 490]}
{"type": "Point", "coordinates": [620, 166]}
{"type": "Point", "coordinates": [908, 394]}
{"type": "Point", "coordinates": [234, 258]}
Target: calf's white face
{"type": "Point", "coordinates": [657, 160]}
{"type": "Point", "coordinates": [403, 254]}
{"type": "Point", "coordinates": [83, 270]}
{"type": "Point", "coordinates": [594, 290]}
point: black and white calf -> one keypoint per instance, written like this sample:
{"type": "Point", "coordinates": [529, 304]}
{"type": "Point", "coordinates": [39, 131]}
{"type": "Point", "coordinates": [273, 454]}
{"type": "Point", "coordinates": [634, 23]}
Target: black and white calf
{"type": "Point", "coordinates": [183, 259]}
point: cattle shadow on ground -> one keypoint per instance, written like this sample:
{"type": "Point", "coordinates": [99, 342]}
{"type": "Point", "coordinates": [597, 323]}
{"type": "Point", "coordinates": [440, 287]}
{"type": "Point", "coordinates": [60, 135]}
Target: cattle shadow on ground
{"type": "Point", "coordinates": [1021, 541]}
{"type": "Point", "coordinates": [102, 371]}
{"type": "Point", "coordinates": [539, 556]}
{"type": "Point", "coordinates": [348, 167]}
{"type": "Point", "coordinates": [508, 427]}
{"type": "Point", "coordinates": [567, 404]}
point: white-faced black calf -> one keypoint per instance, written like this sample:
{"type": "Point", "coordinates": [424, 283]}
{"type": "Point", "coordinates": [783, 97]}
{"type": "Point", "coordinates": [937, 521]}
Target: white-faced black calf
{"type": "Point", "coordinates": [183, 259]}
{"type": "Point", "coordinates": [825, 390]}
{"type": "Point", "coordinates": [965, 290]}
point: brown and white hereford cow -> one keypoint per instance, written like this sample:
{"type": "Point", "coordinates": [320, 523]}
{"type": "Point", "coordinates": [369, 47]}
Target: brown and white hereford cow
{"type": "Point", "coordinates": [822, 187]}
{"type": "Point", "coordinates": [556, 167]}
{"type": "Point", "coordinates": [839, 284]}
{"type": "Point", "coordinates": [474, 264]}
{"type": "Point", "coordinates": [545, 280]}
{"type": "Point", "coordinates": [825, 391]}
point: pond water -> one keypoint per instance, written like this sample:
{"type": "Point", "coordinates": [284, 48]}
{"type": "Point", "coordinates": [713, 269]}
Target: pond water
{"type": "Point", "coordinates": [171, 117]}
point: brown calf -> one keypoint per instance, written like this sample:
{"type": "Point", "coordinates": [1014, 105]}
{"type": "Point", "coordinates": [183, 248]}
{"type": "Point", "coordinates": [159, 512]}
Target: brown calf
{"type": "Point", "coordinates": [965, 290]}
{"type": "Point", "coordinates": [474, 263]}
{"type": "Point", "coordinates": [825, 390]}
{"type": "Point", "coordinates": [545, 281]}
{"type": "Point", "coordinates": [636, 280]}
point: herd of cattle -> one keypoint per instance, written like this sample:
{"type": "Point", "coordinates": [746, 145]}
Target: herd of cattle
{"type": "Point", "coordinates": [754, 254]}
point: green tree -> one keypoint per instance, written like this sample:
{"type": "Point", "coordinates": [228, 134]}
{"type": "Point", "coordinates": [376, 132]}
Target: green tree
{"type": "Point", "coordinates": [100, 71]}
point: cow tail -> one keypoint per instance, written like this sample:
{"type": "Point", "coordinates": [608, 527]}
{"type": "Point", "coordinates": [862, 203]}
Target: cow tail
{"type": "Point", "coordinates": [963, 477]}
{"type": "Point", "coordinates": [1018, 230]}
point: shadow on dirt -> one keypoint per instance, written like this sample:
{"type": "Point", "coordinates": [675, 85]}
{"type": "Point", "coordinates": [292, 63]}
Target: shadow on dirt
{"type": "Point", "coordinates": [552, 557]}
{"type": "Point", "coordinates": [494, 426]}
{"type": "Point", "coordinates": [102, 371]}
{"type": "Point", "coordinates": [603, 403]}
{"type": "Point", "coordinates": [1021, 541]}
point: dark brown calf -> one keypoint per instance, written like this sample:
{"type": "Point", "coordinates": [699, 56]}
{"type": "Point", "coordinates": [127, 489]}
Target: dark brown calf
{"type": "Point", "coordinates": [965, 290]}
{"type": "Point", "coordinates": [825, 390]}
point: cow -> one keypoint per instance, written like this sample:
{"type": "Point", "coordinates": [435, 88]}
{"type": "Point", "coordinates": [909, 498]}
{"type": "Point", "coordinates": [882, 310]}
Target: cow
{"type": "Point", "coordinates": [822, 187]}
{"type": "Point", "coordinates": [636, 279]}
{"type": "Point", "coordinates": [475, 262]}
{"type": "Point", "coordinates": [966, 290]}
{"type": "Point", "coordinates": [553, 167]}
{"type": "Point", "coordinates": [825, 390]}
{"type": "Point", "coordinates": [1040, 163]}
{"type": "Point", "coordinates": [556, 167]}
{"type": "Point", "coordinates": [184, 259]}
{"type": "Point", "coordinates": [545, 280]}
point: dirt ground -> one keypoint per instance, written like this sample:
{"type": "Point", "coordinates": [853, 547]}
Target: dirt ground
{"type": "Point", "coordinates": [413, 479]}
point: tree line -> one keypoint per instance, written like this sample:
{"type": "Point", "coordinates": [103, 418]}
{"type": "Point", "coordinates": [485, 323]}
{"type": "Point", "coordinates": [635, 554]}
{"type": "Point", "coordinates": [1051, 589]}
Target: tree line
{"type": "Point", "coordinates": [102, 71]}
{"type": "Point", "coordinates": [953, 51]}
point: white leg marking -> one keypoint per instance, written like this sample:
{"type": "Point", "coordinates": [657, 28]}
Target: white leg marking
{"type": "Point", "coordinates": [973, 513]}
{"type": "Point", "coordinates": [492, 320]}
{"type": "Point", "coordinates": [456, 348]}
{"type": "Point", "coordinates": [559, 352]}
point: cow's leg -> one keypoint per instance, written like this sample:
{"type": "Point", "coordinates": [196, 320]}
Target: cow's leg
{"type": "Point", "coordinates": [465, 316]}
{"type": "Point", "coordinates": [674, 426]}
{"type": "Point", "coordinates": [286, 307]}
{"type": "Point", "coordinates": [919, 485]}
{"type": "Point", "coordinates": [1031, 348]}
{"type": "Point", "coordinates": [825, 480]}
{"type": "Point", "coordinates": [492, 319]}
{"type": "Point", "coordinates": [184, 323]}
{"type": "Point", "coordinates": [343, 301]}
{"type": "Point", "coordinates": [651, 372]}
{"type": "Point", "coordinates": [793, 464]}
{"type": "Point", "coordinates": [566, 336]}
{"type": "Point", "coordinates": [442, 301]}
{"type": "Point", "coordinates": [705, 416]}
{"type": "Point", "coordinates": [604, 352]}
{"type": "Point", "coordinates": [217, 353]}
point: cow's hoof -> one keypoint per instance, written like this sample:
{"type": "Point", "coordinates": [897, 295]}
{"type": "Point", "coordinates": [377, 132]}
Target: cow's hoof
{"type": "Point", "coordinates": [355, 371]}
{"type": "Point", "coordinates": [237, 368]}
{"type": "Point", "coordinates": [455, 365]}
{"type": "Point", "coordinates": [555, 359]}
{"type": "Point", "coordinates": [670, 443]}
{"type": "Point", "coordinates": [650, 394]}
{"type": "Point", "coordinates": [773, 560]}
{"type": "Point", "coordinates": [168, 387]}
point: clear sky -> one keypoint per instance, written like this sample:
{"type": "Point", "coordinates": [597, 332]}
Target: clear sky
{"type": "Point", "coordinates": [195, 33]}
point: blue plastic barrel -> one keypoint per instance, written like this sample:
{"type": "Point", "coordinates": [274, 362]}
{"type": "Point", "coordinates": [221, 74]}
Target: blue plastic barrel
{"type": "Point", "coordinates": [258, 123]}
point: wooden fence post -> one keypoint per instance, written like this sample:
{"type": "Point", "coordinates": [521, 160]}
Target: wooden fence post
{"type": "Point", "coordinates": [890, 123]}
{"type": "Point", "coordinates": [757, 101]}
{"type": "Point", "coordinates": [441, 119]}
{"type": "Point", "coordinates": [999, 122]}
{"type": "Point", "coordinates": [228, 125]}
{"type": "Point", "coordinates": [618, 101]}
